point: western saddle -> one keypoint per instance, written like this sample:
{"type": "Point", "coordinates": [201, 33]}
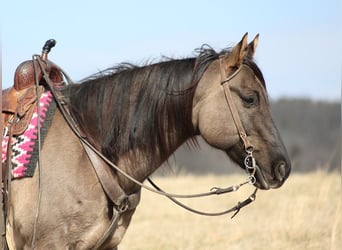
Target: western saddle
{"type": "Point", "coordinates": [18, 105]}
{"type": "Point", "coordinates": [19, 101]}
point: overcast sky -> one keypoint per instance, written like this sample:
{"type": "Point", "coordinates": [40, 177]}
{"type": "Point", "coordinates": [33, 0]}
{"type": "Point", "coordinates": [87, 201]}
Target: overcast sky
{"type": "Point", "coordinates": [300, 46]}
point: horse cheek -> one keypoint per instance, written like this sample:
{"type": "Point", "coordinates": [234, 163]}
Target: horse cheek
{"type": "Point", "coordinates": [217, 129]}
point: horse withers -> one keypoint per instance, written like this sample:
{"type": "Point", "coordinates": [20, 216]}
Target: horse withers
{"type": "Point", "coordinates": [137, 117]}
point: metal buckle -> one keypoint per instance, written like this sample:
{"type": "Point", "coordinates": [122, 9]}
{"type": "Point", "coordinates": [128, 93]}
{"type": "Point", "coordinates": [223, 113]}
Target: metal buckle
{"type": "Point", "coordinates": [250, 165]}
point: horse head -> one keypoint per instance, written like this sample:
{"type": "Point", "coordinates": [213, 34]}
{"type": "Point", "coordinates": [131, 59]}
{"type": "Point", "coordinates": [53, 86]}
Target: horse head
{"type": "Point", "coordinates": [214, 120]}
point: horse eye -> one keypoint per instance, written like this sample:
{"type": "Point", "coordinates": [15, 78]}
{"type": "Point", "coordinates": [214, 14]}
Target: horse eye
{"type": "Point", "coordinates": [250, 100]}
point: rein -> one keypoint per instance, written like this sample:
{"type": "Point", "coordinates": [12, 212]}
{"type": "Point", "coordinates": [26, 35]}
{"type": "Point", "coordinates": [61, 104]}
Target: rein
{"type": "Point", "coordinates": [102, 165]}
{"type": "Point", "coordinates": [249, 160]}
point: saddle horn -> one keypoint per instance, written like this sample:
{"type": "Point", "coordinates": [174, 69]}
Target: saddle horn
{"type": "Point", "coordinates": [49, 44]}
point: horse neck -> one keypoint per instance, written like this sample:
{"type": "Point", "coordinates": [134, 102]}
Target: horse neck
{"type": "Point", "coordinates": [142, 160]}
{"type": "Point", "coordinates": [137, 123]}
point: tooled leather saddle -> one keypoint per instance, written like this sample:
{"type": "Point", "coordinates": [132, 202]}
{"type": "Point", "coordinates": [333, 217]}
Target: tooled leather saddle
{"type": "Point", "coordinates": [19, 101]}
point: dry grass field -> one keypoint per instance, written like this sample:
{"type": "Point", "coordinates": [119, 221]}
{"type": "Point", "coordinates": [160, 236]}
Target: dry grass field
{"type": "Point", "coordinates": [303, 214]}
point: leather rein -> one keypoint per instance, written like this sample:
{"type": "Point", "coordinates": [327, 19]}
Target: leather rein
{"type": "Point", "coordinates": [249, 160]}
{"type": "Point", "coordinates": [103, 166]}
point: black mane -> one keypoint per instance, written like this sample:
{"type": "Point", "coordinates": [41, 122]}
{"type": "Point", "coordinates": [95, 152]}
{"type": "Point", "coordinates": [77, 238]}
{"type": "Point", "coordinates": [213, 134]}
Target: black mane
{"type": "Point", "coordinates": [128, 107]}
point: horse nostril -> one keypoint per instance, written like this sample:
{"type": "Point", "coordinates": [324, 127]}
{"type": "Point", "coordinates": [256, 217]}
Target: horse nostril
{"type": "Point", "coordinates": [280, 171]}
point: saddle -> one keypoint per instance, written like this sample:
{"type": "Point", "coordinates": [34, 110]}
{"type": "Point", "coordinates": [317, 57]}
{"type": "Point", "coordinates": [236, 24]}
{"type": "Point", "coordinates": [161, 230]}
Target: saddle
{"type": "Point", "coordinates": [19, 101]}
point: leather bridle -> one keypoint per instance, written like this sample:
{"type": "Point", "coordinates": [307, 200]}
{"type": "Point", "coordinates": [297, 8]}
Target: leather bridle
{"type": "Point", "coordinates": [249, 162]}
{"type": "Point", "coordinates": [225, 83]}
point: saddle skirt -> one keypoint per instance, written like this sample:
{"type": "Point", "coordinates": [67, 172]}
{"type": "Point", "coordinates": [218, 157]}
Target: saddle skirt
{"type": "Point", "coordinates": [18, 107]}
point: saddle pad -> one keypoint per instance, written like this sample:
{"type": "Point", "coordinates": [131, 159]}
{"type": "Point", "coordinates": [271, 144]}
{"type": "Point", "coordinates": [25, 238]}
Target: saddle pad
{"type": "Point", "coordinates": [25, 146]}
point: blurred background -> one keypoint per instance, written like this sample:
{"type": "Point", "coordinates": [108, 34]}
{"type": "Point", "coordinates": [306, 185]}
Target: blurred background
{"type": "Point", "coordinates": [310, 129]}
{"type": "Point", "coordinates": [299, 54]}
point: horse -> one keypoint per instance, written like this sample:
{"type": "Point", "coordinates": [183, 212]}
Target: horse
{"type": "Point", "coordinates": [137, 116]}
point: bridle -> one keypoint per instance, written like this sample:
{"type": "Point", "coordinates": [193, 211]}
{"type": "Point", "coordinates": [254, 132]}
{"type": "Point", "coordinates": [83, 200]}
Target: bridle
{"type": "Point", "coordinates": [249, 161]}
{"type": "Point", "coordinates": [122, 203]}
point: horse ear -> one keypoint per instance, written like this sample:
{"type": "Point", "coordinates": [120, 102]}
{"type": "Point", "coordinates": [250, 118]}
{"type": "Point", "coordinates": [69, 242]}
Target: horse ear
{"type": "Point", "coordinates": [237, 54]}
{"type": "Point", "coordinates": [252, 46]}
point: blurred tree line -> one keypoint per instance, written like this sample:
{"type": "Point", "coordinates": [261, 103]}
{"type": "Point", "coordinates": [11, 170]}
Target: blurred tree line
{"type": "Point", "coordinates": [311, 131]}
